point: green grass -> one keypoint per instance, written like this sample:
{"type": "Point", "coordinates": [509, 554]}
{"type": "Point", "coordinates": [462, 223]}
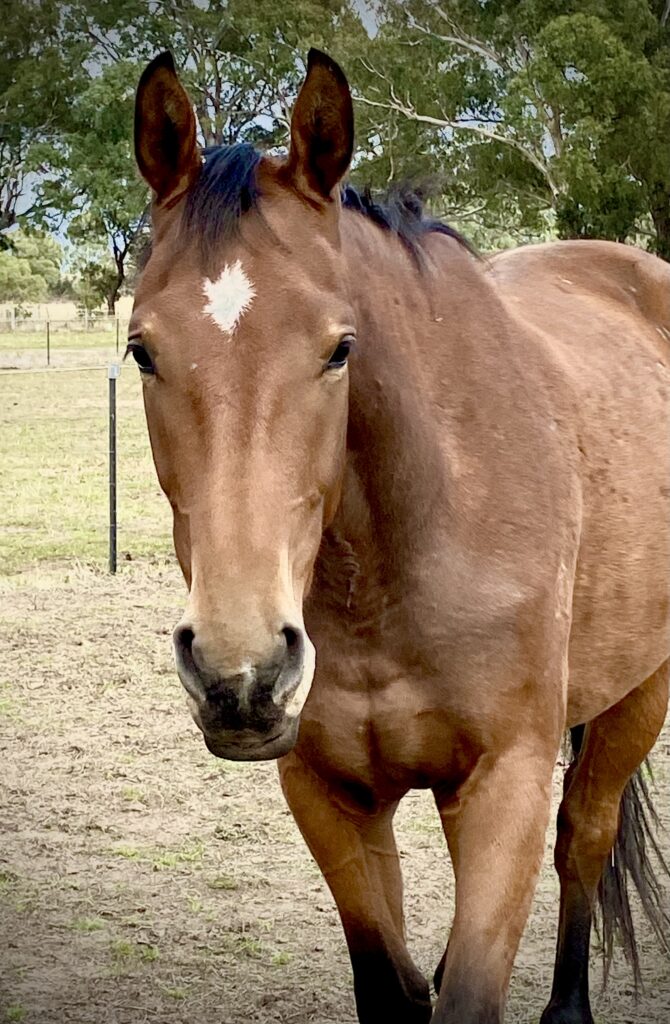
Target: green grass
{"type": "Point", "coordinates": [175, 993]}
{"type": "Point", "coordinates": [133, 794]}
{"type": "Point", "coordinates": [121, 949]}
{"type": "Point", "coordinates": [9, 708]}
{"type": "Point", "coordinates": [15, 1012]}
{"type": "Point", "coordinates": [54, 483]}
{"type": "Point", "coordinates": [127, 956]}
{"type": "Point", "coordinates": [127, 852]}
{"type": "Point", "coordinates": [224, 882]}
{"type": "Point", "coordinates": [191, 854]}
{"type": "Point", "coordinates": [7, 880]}
{"type": "Point", "coordinates": [247, 945]}
{"type": "Point", "coordinates": [161, 859]}
{"type": "Point", "coordinates": [88, 924]}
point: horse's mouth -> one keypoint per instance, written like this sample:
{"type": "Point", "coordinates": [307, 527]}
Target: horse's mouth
{"type": "Point", "coordinates": [245, 747]}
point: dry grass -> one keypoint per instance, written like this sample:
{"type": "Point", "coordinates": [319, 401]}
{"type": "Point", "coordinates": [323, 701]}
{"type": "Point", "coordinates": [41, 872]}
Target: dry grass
{"type": "Point", "coordinates": [68, 347]}
{"type": "Point", "coordinates": [54, 484]}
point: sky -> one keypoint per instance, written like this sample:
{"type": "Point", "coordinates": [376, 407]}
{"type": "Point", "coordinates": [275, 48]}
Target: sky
{"type": "Point", "coordinates": [366, 11]}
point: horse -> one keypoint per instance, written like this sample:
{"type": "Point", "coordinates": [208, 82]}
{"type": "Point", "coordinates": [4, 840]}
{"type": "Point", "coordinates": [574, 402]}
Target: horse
{"type": "Point", "coordinates": [421, 503]}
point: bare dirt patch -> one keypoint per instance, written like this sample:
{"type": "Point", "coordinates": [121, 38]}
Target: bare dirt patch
{"type": "Point", "coordinates": [142, 880]}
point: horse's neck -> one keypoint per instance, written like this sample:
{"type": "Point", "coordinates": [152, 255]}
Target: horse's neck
{"type": "Point", "coordinates": [421, 331]}
{"type": "Point", "coordinates": [449, 440]}
{"type": "Point", "coordinates": [433, 379]}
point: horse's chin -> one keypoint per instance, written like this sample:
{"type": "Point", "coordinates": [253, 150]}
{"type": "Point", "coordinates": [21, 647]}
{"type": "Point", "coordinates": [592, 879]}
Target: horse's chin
{"type": "Point", "coordinates": [236, 748]}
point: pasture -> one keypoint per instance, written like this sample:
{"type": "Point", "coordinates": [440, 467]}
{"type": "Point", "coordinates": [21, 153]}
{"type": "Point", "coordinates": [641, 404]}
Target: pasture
{"type": "Point", "coordinates": [71, 344]}
{"type": "Point", "coordinates": [140, 878]}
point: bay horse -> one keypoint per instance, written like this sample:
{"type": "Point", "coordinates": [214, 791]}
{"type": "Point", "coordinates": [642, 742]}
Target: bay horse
{"type": "Point", "coordinates": [422, 506]}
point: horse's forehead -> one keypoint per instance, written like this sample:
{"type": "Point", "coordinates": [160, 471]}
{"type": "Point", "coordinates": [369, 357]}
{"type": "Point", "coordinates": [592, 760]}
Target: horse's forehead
{"type": "Point", "coordinates": [229, 295]}
{"type": "Point", "coordinates": [281, 263]}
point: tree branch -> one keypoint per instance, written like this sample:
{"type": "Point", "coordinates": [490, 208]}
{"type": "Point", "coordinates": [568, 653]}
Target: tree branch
{"type": "Point", "coordinates": [105, 44]}
{"type": "Point", "coordinates": [408, 111]}
{"type": "Point", "coordinates": [472, 45]}
{"type": "Point", "coordinates": [457, 36]}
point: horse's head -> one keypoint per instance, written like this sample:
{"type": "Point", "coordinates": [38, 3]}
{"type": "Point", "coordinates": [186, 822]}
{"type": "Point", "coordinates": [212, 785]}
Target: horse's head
{"type": "Point", "coordinates": [241, 329]}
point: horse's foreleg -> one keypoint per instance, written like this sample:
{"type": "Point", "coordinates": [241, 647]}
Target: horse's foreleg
{"type": "Point", "coordinates": [495, 828]}
{"type": "Point", "coordinates": [355, 849]}
{"type": "Point", "coordinates": [614, 745]}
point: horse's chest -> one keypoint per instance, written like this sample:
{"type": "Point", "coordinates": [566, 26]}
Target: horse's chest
{"type": "Point", "coordinates": [384, 736]}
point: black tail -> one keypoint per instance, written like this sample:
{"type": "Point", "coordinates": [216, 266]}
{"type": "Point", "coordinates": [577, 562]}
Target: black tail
{"type": "Point", "coordinates": [636, 857]}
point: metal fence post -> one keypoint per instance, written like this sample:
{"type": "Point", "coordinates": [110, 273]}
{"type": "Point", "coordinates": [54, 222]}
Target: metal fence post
{"type": "Point", "coordinates": [48, 343]}
{"type": "Point", "coordinates": [117, 335]}
{"type": "Point", "coordinates": [113, 372]}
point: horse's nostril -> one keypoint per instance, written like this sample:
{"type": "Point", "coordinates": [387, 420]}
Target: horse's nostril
{"type": "Point", "coordinates": [294, 645]}
{"type": "Point", "coordinates": [184, 641]}
{"type": "Point", "coordinates": [292, 638]}
{"type": "Point", "coordinates": [184, 638]}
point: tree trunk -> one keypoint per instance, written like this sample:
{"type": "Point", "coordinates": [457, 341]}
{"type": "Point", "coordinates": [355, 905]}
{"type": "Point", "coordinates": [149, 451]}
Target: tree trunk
{"type": "Point", "coordinates": [113, 293]}
{"type": "Point", "coordinates": [660, 213]}
{"type": "Point", "coordinates": [7, 218]}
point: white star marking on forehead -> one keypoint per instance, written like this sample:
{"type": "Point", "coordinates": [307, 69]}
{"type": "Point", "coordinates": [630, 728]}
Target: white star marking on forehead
{"type": "Point", "coordinates": [229, 297]}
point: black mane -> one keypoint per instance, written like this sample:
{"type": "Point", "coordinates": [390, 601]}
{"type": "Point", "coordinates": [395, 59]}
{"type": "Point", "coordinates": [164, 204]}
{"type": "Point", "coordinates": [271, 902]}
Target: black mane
{"type": "Point", "coordinates": [401, 212]}
{"type": "Point", "coordinates": [227, 188]}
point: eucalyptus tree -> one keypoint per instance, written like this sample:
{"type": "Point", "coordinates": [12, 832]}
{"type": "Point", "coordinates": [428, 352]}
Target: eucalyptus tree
{"type": "Point", "coordinates": [541, 111]}
{"type": "Point", "coordinates": [40, 75]}
{"type": "Point", "coordinates": [242, 66]}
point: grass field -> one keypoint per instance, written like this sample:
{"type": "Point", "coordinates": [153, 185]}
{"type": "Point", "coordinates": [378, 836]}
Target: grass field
{"type": "Point", "coordinates": [54, 484]}
{"type": "Point", "coordinates": [141, 880]}
{"type": "Point", "coordinates": [68, 347]}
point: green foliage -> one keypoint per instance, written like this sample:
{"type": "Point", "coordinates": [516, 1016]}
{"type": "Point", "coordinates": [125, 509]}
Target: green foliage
{"type": "Point", "coordinates": [533, 106]}
{"type": "Point", "coordinates": [40, 71]}
{"type": "Point", "coordinates": [17, 283]}
{"type": "Point", "coordinates": [15, 1012]}
{"type": "Point", "coordinates": [522, 118]}
{"type": "Point", "coordinates": [95, 282]}
{"type": "Point", "coordinates": [30, 267]}
{"type": "Point", "coordinates": [241, 67]}
{"type": "Point", "coordinates": [241, 71]}
{"type": "Point", "coordinates": [42, 252]}
{"type": "Point", "coordinates": [107, 201]}
{"type": "Point", "coordinates": [101, 177]}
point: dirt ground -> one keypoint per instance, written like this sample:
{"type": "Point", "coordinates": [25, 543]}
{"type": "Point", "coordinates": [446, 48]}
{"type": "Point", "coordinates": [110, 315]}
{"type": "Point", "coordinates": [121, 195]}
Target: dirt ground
{"type": "Point", "coordinates": [143, 880]}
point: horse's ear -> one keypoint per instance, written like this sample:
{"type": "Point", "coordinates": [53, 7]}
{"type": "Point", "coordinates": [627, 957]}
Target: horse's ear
{"type": "Point", "coordinates": [165, 146]}
{"type": "Point", "coordinates": [322, 128]}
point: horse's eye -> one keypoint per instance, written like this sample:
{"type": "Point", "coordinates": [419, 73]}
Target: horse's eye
{"type": "Point", "coordinates": [141, 357]}
{"type": "Point", "coordinates": [339, 357]}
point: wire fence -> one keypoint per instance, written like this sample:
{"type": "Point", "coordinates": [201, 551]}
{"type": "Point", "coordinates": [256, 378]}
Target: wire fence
{"type": "Point", "coordinates": [28, 342]}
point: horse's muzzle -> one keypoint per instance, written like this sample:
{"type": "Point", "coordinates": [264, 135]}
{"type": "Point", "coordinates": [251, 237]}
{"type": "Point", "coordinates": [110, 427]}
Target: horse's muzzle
{"type": "Point", "coordinates": [234, 747]}
{"type": "Point", "coordinates": [253, 713]}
